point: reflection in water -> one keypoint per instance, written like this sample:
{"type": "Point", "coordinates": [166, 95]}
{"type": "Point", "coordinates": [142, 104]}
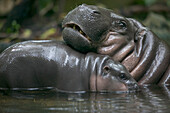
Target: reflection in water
{"type": "Point", "coordinates": [149, 99]}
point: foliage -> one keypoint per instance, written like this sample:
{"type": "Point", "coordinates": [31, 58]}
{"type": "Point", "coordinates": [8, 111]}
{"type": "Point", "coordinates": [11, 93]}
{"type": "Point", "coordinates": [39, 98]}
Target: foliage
{"type": "Point", "coordinates": [150, 2]}
{"type": "Point", "coordinates": [49, 9]}
{"type": "Point", "coordinates": [47, 33]}
{"type": "Point", "coordinates": [14, 27]}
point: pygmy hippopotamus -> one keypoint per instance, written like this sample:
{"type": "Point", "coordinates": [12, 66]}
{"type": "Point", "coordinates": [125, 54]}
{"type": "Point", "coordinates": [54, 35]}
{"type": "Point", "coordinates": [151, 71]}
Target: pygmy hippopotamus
{"type": "Point", "coordinates": [34, 65]}
{"type": "Point", "coordinates": [90, 28]}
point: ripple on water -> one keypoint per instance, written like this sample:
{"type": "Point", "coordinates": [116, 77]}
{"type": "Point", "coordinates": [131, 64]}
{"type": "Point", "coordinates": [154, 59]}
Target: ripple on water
{"type": "Point", "coordinates": [152, 99]}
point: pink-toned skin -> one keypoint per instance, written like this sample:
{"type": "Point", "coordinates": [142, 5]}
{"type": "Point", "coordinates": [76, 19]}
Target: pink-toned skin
{"type": "Point", "coordinates": [126, 40]}
{"type": "Point", "coordinates": [99, 83]}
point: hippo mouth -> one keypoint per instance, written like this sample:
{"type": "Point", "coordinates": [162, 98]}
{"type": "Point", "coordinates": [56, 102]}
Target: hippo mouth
{"type": "Point", "coordinates": [78, 29]}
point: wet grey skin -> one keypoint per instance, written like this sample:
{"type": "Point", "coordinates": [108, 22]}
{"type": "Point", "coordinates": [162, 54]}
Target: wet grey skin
{"type": "Point", "coordinates": [35, 65]}
{"type": "Point", "coordinates": [88, 28]}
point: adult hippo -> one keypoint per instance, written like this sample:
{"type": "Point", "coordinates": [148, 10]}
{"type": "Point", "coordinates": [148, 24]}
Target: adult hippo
{"type": "Point", "coordinates": [33, 65]}
{"type": "Point", "coordinates": [90, 28]}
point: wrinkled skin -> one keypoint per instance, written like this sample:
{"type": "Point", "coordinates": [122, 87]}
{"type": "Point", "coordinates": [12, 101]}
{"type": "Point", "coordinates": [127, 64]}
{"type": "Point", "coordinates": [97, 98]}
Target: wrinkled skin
{"type": "Point", "coordinates": [90, 28]}
{"type": "Point", "coordinates": [35, 65]}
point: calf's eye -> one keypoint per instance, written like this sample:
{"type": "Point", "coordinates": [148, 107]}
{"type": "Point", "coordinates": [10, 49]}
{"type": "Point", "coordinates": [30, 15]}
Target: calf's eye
{"type": "Point", "coordinates": [123, 76]}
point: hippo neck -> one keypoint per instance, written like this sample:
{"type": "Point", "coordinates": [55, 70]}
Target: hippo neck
{"type": "Point", "coordinates": [143, 57]}
{"type": "Point", "coordinates": [154, 60]}
{"type": "Point", "coordinates": [94, 63]}
{"type": "Point", "coordinates": [143, 52]}
{"type": "Point", "coordinates": [146, 58]}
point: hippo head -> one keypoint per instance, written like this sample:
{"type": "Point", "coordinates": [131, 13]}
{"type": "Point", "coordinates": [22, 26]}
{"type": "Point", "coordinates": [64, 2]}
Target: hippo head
{"type": "Point", "coordinates": [111, 76]}
{"type": "Point", "coordinates": [90, 28]}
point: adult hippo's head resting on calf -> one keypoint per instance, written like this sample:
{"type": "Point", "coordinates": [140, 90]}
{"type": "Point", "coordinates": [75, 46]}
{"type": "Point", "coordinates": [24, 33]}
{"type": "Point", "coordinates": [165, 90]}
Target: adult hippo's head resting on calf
{"type": "Point", "coordinates": [48, 64]}
{"type": "Point", "coordinates": [90, 28]}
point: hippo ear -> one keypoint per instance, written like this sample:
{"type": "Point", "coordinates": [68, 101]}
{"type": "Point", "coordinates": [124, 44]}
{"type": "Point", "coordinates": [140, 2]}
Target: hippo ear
{"type": "Point", "coordinates": [140, 35]}
{"type": "Point", "coordinates": [139, 40]}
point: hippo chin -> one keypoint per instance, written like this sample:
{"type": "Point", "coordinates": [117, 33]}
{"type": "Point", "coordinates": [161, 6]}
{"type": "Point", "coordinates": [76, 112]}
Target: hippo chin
{"type": "Point", "coordinates": [50, 64]}
{"type": "Point", "coordinates": [90, 28]}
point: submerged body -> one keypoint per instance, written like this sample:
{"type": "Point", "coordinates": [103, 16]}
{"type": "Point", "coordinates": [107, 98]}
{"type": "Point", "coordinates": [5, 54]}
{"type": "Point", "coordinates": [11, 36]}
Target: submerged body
{"type": "Point", "coordinates": [50, 64]}
{"type": "Point", "coordinates": [90, 28]}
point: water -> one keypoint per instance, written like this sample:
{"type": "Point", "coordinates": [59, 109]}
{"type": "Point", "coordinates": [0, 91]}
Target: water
{"type": "Point", "coordinates": [151, 99]}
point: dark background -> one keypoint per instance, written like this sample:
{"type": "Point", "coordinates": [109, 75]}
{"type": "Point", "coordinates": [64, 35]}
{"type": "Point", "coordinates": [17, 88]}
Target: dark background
{"type": "Point", "coordinates": [22, 20]}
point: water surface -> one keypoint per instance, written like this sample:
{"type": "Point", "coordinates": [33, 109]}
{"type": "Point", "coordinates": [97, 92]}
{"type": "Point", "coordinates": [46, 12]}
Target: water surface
{"type": "Point", "coordinates": [151, 99]}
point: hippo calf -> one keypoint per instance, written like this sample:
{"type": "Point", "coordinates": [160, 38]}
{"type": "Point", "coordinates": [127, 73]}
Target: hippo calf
{"type": "Point", "coordinates": [90, 28]}
{"type": "Point", "coordinates": [49, 64]}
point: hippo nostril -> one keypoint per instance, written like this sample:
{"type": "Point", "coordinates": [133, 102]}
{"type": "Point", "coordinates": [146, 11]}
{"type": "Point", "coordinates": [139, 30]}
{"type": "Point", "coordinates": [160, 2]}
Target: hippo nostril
{"type": "Point", "coordinates": [136, 86]}
{"type": "Point", "coordinates": [96, 12]}
{"type": "Point", "coordinates": [133, 86]}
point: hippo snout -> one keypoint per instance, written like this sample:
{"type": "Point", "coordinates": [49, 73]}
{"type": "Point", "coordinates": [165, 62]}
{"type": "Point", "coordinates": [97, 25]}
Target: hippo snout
{"type": "Point", "coordinates": [133, 87]}
{"type": "Point", "coordinates": [127, 79]}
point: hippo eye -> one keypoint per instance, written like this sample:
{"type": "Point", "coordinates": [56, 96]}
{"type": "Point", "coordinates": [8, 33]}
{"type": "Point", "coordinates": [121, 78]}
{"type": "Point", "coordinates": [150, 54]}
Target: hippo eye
{"type": "Point", "coordinates": [106, 69]}
{"type": "Point", "coordinates": [121, 25]}
{"type": "Point", "coordinates": [123, 76]}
